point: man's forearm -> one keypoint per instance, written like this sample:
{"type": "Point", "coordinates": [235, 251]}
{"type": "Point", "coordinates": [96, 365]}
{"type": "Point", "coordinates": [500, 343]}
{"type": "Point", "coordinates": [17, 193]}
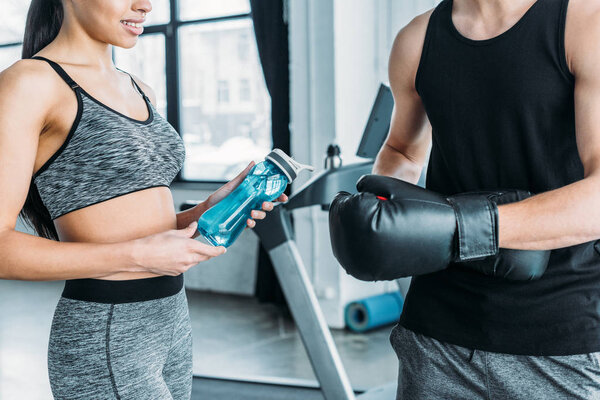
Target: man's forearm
{"type": "Point", "coordinates": [559, 218]}
{"type": "Point", "coordinates": [390, 162]}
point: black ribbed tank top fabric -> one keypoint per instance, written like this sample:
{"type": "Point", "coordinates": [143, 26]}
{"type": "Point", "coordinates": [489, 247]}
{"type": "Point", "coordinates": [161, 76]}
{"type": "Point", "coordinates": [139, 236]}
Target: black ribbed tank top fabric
{"type": "Point", "coordinates": [502, 112]}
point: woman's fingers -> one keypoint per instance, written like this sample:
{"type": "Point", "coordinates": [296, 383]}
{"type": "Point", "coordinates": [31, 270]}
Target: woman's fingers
{"type": "Point", "coordinates": [207, 250]}
{"type": "Point", "coordinates": [267, 206]}
{"type": "Point", "coordinates": [262, 214]}
{"type": "Point", "coordinates": [256, 214]}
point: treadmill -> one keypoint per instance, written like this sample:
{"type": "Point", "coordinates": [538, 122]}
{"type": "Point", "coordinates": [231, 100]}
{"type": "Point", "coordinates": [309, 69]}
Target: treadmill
{"type": "Point", "coordinates": [277, 237]}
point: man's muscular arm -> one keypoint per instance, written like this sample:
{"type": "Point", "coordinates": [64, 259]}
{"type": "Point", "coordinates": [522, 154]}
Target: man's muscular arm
{"type": "Point", "coordinates": [569, 215]}
{"type": "Point", "coordinates": [405, 150]}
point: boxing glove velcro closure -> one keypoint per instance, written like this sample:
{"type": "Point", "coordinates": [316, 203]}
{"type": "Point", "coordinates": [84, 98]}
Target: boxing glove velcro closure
{"type": "Point", "coordinates": [477, 226]}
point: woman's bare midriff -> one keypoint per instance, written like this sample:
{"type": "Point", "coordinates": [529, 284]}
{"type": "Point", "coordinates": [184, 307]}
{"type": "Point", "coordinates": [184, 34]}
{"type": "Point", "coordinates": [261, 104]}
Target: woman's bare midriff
{"type": "Point", "coordinates": [131, 216]}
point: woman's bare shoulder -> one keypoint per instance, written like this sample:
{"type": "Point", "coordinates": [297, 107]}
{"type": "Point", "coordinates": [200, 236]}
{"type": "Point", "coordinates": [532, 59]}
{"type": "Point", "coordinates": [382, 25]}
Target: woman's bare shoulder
{"type": "Point", "coordinates": [29, 77]}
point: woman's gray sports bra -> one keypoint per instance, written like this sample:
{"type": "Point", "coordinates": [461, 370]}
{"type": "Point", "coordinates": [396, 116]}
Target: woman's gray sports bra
{"type": "Point", "coordinates": [107, 154]}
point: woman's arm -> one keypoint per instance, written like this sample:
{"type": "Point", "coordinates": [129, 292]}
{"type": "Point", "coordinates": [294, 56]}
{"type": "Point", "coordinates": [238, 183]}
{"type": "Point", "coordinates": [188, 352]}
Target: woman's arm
{"type": "Point", "coordinates": [27, 94]}
{"type": "Point", "coordinates": [31, 258]}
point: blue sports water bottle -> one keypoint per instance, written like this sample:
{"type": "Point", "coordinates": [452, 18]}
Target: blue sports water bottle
{"type": "Point", "coordinates": [224, 222]}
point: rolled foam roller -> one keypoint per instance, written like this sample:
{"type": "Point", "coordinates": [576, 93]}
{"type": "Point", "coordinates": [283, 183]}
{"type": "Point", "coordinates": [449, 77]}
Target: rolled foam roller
{"type": "Point", "coordinates": [373, 312]}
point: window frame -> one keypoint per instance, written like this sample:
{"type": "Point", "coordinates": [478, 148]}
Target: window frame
{"type": "Point", "coordinates": [8, 44]}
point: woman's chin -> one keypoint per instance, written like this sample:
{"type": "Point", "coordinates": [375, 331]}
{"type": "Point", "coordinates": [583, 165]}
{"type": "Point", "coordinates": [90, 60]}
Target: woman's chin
{"type": "Point", "coordinates": [126, 44]}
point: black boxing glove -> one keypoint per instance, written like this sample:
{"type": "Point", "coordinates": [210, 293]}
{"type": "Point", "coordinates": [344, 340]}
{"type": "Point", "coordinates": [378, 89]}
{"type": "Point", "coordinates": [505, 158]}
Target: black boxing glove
{"type": "Point", "coordinates": [393, 229]}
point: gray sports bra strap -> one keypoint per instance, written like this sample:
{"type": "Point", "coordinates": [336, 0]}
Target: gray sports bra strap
{"type": "Point", "coordinates": [60, 71]}
{"type": "Point", "coordinates": [139, 89]}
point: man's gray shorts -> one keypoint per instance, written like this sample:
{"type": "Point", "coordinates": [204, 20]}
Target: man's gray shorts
{"type": "Point", "coordinates": [430, 369]}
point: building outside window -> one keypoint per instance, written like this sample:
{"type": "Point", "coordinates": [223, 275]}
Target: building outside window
{"type": "Point", "coordinates": [223, 92]}
{"type": "Point", "coordinates": [245, 90]}
{"type": "Point", "coordinates": [243, 46]}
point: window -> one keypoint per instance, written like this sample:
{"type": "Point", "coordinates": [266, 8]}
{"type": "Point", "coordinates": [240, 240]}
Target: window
{"type": "Point", "coordinates": [160, 14]}
{"type": "Point", "coordinates": [204, 9]}
{"type": "Point", "coordinates": [203, 65]}
{"type": "Point", "coordinates": [147, 59]}
{"type": "Point", "coordinates": [12, 21]}
{"type": "Point", "coordinates": [8, 55]}
{"type": "Point", "coordinates": [136, 61]}
{"type": "Point", "coordinates": [223, 92]}
{"type": "Point", "coordinates": [244, 90]}
{"type": "Point", "coordinates": [12, 27]}
{"type": "Point", "coordinates": [243, 46]}
{"type": "Point", "coordinates": [225, 110]}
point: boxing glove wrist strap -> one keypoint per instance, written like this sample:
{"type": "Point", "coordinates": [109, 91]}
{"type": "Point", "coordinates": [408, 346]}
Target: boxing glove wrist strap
{"type": "Point", "coordinates": [477, 226]}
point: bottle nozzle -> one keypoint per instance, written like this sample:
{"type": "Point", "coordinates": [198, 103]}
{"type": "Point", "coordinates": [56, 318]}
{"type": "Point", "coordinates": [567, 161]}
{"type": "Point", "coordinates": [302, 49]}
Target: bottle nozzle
{"type": "Point", "coordinates": [306, 166]}
{"type": "Point", "coordinates": [287, 164]}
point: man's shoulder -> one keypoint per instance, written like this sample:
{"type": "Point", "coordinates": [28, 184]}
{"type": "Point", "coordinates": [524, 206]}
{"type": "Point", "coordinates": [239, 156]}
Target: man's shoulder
{"type": "Point", "coordinates": [407, 48]}
{"type": "Point", "coordinates": [415, 30]}
{"type": "Point", "coordinates": [581, 14]}
{"type": "Point", "coordinates": [582, 32]}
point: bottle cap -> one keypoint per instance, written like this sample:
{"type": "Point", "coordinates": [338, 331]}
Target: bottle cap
{"type": "Point", "coordinates": [287, 164]}
{"type": "Point", "coordinates": [333, 150]}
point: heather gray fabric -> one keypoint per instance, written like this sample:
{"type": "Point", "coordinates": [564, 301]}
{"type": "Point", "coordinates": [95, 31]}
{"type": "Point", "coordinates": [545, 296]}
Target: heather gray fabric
{"type": "Point", "coordinates": [430, 369]}
{"type": "Point", "coordinates": [129, 351]}
{"type": "Point", "coordinates": [107, 154]}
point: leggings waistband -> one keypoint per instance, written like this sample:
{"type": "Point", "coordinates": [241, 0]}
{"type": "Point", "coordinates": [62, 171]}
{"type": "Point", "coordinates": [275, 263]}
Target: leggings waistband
{"type": "Point", "coordinates": [129, 291]}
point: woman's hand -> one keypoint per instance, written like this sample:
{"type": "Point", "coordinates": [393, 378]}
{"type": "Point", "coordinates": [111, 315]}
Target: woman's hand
{"type": "Point", "coordinates": [172, 252]}
{"type": "Point", "coordinates": [261, 214]}
{"type": "Point", "coordinates": [230, 186]}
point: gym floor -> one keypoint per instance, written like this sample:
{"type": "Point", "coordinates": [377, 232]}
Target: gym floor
{"type": "Point", "coordinates": [234, 337]}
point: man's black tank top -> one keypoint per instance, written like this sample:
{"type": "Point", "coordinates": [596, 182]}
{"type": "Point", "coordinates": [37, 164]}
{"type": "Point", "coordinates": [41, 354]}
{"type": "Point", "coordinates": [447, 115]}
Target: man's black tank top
{"type": "Point", "coordinates": [502, 112]}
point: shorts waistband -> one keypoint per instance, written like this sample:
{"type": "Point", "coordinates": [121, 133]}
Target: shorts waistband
{"type": "Point", "coordinates": [128, 291]}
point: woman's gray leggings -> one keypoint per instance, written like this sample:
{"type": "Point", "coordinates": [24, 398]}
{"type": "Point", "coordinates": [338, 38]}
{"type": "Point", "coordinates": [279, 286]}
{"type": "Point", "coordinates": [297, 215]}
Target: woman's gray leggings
{"type": "Point", "coordinates": [121, 340]}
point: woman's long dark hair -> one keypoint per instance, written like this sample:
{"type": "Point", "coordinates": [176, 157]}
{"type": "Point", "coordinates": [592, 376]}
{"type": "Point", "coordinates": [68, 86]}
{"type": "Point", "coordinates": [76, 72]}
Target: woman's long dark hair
{"type": "Point", "coordinates": [44, 20]}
